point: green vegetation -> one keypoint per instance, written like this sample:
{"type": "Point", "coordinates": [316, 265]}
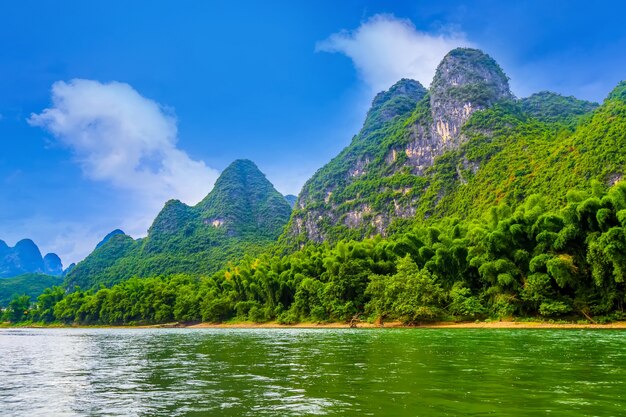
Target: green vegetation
{"type": "Point", "coordinates": [511, 155]}
{"type": "Point", "coordinates": [551, 107]}
{"type": "Point", "coordinates": [521, 215]}
{"type": "Point", "coordinates": [545, 144]}
{"type": "Point", "coordinates": [243, 214]}
{"type": "Point", "coordinates": [531, 261]}
{"type": "Point", "coordinates": [28, 284]}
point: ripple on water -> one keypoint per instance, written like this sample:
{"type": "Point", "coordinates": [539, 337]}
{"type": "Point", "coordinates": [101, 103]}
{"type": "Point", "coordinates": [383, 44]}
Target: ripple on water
{"type": "Point", "coordinates": [278, 372]}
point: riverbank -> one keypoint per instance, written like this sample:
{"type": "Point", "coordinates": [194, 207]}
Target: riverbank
{"type": "Point", "coordinates": [436, 325]}
{"type": "Point", "coordinates": [339, 325]}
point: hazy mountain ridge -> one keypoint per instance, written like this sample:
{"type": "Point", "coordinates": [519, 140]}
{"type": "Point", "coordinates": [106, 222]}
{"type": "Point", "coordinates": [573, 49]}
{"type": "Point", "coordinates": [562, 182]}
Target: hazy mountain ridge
{"type": "Point", "coordinates": [25, 257]}
{"type": "Point", "coordinates": [492, 207]}
{"type": "Point", "coordinates": [453, 150]}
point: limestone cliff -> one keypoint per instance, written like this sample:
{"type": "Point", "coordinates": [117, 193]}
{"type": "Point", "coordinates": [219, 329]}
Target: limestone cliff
{"type": "Point", "coordinates": [405, 130]}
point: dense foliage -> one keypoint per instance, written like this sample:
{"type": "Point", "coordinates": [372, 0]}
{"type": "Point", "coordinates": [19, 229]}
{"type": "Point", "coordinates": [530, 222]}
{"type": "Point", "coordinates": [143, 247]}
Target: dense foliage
{"type": "Point", "coordinates": [28, 284]}
{"type": "Point", "coordinates": [531, 261]}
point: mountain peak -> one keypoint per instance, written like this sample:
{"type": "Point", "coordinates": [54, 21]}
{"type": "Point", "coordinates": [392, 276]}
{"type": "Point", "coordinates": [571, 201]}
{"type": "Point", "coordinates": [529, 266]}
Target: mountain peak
{"type": "Point", "coordinates": [52, 264]}
{"type": "Point", "coordinates": [242, 164]}
{"type": "Point", "coordinates": [466, 80]}
{"type": "Point", "coordinates": [467, 75]}
{"type": "Point", "coordinates": [406, 129]}
{"type": "Point", "coordinates": [25, 257]}
{"type": "Point", "coordinates": [291, 199]}
{"type": "Point", "coordinates": [405, 87]}
{"type": "Point", "coordinates": [547, 106]}
{"type": "Point", "coordinates": [109, 236]}
{"type": "Point", "coordinates": [242, 214]}
{"type": "Point", "coordinates": [236, 177]}
{"type": "Point", "coordinates": [401, 98]}
{"type": "Point", "coordinates": [243, 200]}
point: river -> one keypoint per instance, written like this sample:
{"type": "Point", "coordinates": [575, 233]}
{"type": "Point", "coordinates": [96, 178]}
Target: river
{"type": "Point", "coordinates": [306, 372]}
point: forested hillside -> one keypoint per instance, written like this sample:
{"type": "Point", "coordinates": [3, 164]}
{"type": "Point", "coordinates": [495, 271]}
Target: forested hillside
{"type": "Point", "coordinates": [243, 214]}
{"type": "Point", "coordinates": [464, 145]}
{"type": "Point", "coordinates": [31, 285]}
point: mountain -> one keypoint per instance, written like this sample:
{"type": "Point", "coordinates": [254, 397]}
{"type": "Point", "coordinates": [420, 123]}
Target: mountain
{"type": "Point", "coordinates": [454, 150]}
{"type": "Point", "coordinates": [52, 265]}
{"type": "Point", "coordinates": [243, 214]}
{"type": "Point", "coordinates": [291, 199]}
{"type": "Point", "coordinates": [24, 258]}
{"type": "Point", "coordinates": [489, 206]}
{"type": "Point", "coordinates": [109, 236]}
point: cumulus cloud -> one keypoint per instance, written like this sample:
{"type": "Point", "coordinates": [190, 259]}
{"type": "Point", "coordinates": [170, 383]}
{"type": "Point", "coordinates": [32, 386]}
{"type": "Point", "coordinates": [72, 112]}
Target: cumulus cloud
{"type": "Point", "coordinates": [385, 49]}
{"type": "Point", "coordinates": [125, 139]}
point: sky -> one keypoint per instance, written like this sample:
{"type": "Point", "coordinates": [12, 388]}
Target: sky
{"type": "Point", "coordinates": [110, 108]}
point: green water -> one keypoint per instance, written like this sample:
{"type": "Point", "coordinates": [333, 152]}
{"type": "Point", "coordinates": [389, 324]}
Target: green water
{"type": "Point", "coordinates": [275, 372]}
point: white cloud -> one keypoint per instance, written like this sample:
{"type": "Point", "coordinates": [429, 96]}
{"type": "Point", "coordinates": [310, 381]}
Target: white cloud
{"type": "Point", "coordinates": [127, 140]}
{"type": "Point", "coordinates": [385, 49]}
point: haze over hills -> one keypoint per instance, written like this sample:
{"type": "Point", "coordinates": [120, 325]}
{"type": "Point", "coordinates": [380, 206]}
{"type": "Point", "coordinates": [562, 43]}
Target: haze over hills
{"type": "Point", "coordinates": [25, 257]}
{"type": "Point", "coordinates": [243, 214]}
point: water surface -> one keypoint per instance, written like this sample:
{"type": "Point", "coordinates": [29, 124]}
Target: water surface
{"type": "Point", "coordinates": [305, 372]}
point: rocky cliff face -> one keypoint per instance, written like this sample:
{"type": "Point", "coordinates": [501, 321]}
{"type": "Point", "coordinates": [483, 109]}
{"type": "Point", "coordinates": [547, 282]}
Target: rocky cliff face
{"type": "Point", "coordinates": [406, 129]}
{"type": "Point", "coordinates": [466, 80]}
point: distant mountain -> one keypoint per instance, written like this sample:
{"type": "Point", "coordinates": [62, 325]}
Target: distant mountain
{"type": "Point", "coordinates": [24, 258]}
{"type": "Point", "coordinates": [291, 199]}
{"type": "Point", "coordinates": [52, 264]}
{"type": "Point", "coordinates": [456, 149]}
{"type": "Point", "coordinates": [243, 214]}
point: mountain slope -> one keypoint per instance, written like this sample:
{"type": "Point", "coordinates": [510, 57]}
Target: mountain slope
{"type": "Point", "coordinates": [466, 144]}
{"type": "Point", "coordinates": [243, 214]}
{"type": "Point", "coordinates": [378, 176]}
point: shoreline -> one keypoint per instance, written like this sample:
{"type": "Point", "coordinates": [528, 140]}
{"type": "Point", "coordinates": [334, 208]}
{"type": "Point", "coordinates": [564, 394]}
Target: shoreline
{"type": "Point", "coordinates": [398, 325]}
{"type": "Point", "coordinates": [339, 325]}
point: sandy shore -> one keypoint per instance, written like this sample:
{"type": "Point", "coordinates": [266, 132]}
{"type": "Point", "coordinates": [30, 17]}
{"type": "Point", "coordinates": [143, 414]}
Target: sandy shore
{"type": "Point", "coordinates": [442, 325]}
{"type": "Point", "coordinates": [362, 325]}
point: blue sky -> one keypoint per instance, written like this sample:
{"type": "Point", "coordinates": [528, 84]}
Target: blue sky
{"type": "Point", "coordinates": [152, 99]}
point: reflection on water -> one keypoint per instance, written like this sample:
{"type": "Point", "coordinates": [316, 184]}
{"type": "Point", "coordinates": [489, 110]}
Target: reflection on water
{"type": "Point", "coordinates": [299, 372]}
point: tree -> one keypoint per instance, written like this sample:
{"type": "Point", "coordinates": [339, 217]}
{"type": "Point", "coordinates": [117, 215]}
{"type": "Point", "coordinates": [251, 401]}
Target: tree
{"type": "Point", "coordinates": [19, 308]}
